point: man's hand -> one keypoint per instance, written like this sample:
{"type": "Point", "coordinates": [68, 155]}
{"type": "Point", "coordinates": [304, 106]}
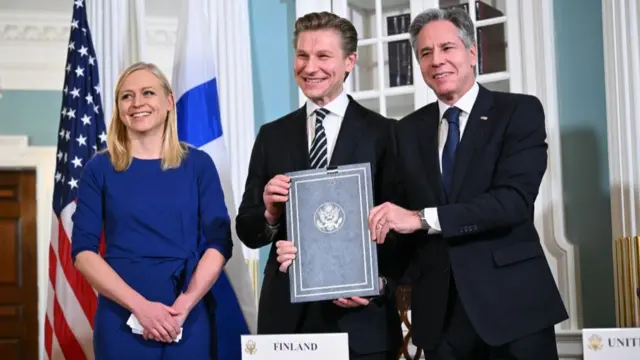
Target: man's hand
{"type": "Point", "coordinates": [275, 194]}
{"type": "Point", "coordinates": [357, 301]}
{"type": "Point", "coordinates": [352, 302]}
{"type": "Point", "coordinates": [286, 253]}
{"type": "Point", "coordinates": [388, 216]}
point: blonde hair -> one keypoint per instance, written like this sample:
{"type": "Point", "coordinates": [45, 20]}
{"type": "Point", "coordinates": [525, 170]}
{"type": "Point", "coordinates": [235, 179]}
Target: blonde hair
{"type": "Point", "coordinates": [118, 145]}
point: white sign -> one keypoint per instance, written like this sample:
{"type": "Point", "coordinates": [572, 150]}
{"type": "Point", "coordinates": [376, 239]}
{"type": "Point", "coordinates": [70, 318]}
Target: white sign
{"type": "Point", "coordinates": [295, 347]}
{"type": "Point", "coordinates": [608, 344]}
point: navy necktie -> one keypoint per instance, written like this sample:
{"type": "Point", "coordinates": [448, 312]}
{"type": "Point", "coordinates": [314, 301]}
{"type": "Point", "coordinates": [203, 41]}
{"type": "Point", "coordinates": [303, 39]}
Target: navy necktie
{"type": "Point", "coordinates": [318, 154]}
{"type": "Point", "coordinates": [449, 153]}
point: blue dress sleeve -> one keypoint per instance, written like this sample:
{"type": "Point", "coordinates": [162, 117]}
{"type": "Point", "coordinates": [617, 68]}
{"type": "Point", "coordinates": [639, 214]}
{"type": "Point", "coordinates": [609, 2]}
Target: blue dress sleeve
{"type": "Point", "coordinates": [212, 210]}
{"type": "Point", "coordinates": [87, 219]}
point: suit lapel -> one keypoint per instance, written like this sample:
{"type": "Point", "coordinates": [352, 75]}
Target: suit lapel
{"type": "Point", "coordinates": [351, 130]}
{"type": "Point", "coordinates": [427, 139]}
{"type": "Point", "coordinates": [475, 133]}
{"type": "Point", "coordinates": [298, 140]}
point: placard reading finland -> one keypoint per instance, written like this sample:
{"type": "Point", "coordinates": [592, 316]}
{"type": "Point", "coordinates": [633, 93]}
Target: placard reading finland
{"type": "Point", "coordinates": [327, 216]}
{"type": "Point", "coordinates": [295, 347]}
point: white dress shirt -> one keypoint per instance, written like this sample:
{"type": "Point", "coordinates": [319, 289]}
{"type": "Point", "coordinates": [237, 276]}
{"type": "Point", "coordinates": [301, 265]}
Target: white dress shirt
{"type": "Point", "coordinates": [465, 104]}
{"type": "Point", "coordinates": [332, 122]}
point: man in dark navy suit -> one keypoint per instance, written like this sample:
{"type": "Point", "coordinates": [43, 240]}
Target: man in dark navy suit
{"type": "Point", "coordinates": [331, 129]}
{"type": "Point", "coordinates": [471, 164]}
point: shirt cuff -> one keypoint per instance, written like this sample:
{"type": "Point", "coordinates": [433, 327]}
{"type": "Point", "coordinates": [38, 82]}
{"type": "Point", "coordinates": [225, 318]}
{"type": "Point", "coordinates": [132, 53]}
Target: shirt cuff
{"type": "Point", "coordinates": [431, 215]}
{"type": "Point", "coordinates": [383, 288]}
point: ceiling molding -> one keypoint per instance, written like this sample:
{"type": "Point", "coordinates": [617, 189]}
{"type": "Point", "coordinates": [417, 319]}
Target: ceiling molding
{"type": "Point", "coordinates": [161, 31]}
{"type": "Point", "coordinates": [33, 45]}
{"type": "Point", "coordinates": [27, 27]}
{"type": "Point", "coordinates": [30, 27]}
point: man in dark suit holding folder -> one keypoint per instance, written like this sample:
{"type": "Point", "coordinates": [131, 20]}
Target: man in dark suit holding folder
{"type": "Point", "coordinates": [331, 129]}
{"type": "Point", "coordinates": [472, 163]}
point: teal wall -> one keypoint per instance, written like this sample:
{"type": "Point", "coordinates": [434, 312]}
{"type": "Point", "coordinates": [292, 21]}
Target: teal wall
{"type": "Point", "coordinates": [583, 126]}
{"type": "Point", "coordinates": [275, 92]}
{"type": "Point", "coordinates": [35, 113]}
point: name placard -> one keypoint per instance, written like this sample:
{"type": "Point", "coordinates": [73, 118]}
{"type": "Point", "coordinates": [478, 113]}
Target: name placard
{"type": "Point", "coordinates": [614, 343]}
{"type": "Point", "coordinates": [295, 347]}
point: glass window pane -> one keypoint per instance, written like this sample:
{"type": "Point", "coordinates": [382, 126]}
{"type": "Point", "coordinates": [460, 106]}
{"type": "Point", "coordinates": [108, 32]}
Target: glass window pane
{"type": "Point", "coordinates": [398, 106]}
{"type": "Point", "coordinates": [371, 104]}
{"type": "Point", "coordinates": [492, 49]}
{"type": "Point", "coordinates": [448, 4]}
{"type": "Point", "coordinates": [396, 17]}
{"type": "Point", "coordinates": [502, 85]}
{"type": "Point", "coordinates": [398, 70]}
{"type": "Point", "coordinates": [488, 9]}
{"type": "Point", "coordinates": [362, 15]}
{"type": "Point", "coordinates": [485, 9]}
{"type": "Point", "coordinates": [365, 74]}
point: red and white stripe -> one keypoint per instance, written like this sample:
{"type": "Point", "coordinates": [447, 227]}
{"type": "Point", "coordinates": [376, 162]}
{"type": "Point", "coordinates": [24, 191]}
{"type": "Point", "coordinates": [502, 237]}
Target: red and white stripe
{"type": "Point", "coordinates": [71, 301]}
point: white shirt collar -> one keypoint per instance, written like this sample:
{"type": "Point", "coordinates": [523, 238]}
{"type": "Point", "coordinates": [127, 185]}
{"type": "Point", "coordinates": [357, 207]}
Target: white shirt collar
{"type": "Point", "coordinates": [465, 103]}
{"type": "Point", "coordinates": [337, 106]}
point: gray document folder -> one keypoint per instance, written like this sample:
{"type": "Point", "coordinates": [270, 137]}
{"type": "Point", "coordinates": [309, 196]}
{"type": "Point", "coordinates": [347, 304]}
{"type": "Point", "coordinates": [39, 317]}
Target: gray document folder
{"type": "Point", "coordinates": [327, 221]}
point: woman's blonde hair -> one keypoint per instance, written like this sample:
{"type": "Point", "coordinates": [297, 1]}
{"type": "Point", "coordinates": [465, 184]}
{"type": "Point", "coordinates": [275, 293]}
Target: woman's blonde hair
{"type": "Point", "coordinates": [118, 144]}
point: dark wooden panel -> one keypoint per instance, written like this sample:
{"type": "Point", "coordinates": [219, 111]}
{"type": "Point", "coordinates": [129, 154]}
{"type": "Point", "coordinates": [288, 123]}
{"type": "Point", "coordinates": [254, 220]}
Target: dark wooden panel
{"type": "Point", "coordinates": [9, 209]}
{"type": "Point", "coordinates": [18, 266]}
{"type": "Point", "coordinates": [9, 311]}
{"type": "Point", "coordinates": [10, 349]}
{"type": "Point", "coordinates": [9, 178]}
{"type": "Point", "coordinates": [8, 254]}
{"type": "Point", "coordinates": [8, 193]}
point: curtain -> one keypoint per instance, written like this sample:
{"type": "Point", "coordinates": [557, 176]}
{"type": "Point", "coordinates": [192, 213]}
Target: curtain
{"type": "Point", "coordinates": [118, 30]}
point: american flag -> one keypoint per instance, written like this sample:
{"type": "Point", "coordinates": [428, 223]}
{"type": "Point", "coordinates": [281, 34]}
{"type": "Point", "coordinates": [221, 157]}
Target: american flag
{"type": "Point", "coordinates": [71, 301]}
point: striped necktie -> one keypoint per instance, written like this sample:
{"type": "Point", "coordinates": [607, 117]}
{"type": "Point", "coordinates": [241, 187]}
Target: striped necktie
{"type": "Point", "coordinates": [318, 153]}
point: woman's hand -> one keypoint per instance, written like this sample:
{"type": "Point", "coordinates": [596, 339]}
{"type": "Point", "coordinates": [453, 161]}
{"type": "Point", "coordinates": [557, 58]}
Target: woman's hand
{"type": "Point", "coordinates": [158, 321]}
{"type": "Point", "coordinates": [183, 306]}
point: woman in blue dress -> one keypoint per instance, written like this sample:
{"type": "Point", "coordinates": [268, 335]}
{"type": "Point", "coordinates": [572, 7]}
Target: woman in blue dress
{"type": "Point", "coordinates": [167, 232]}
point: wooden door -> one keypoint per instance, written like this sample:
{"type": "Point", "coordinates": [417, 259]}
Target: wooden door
{"type": "Point", "coordinates": [18, 266]}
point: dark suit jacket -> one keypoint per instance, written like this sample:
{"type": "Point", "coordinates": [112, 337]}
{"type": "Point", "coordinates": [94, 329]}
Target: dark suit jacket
{"type": "Point", "coordinates": [488, 239]}
{"type": "Point", "coordinates": [280, 147]}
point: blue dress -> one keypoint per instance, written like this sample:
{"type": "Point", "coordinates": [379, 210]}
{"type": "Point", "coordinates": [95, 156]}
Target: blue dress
{"type": "Point", "coordinates": [157, 224]}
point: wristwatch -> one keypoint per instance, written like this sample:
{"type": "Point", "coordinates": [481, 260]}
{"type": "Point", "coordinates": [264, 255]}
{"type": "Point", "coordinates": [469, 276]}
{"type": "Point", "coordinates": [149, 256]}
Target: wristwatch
{"type": "Point", "coordinates": [422, 214]}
